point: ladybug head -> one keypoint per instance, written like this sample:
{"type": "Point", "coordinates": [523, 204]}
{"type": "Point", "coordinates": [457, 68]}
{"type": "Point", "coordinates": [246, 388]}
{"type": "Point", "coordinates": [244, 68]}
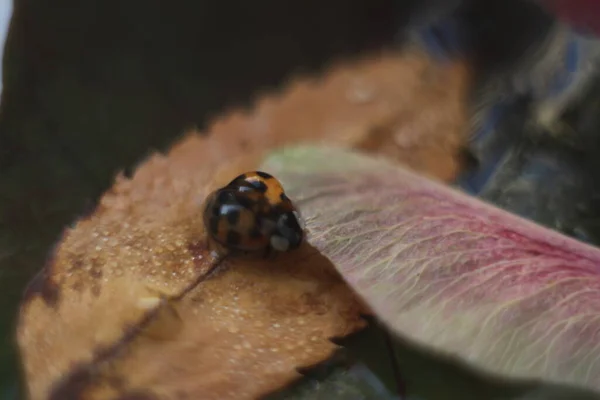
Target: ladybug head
{"type": "Point", "coordinates": [289, 232]}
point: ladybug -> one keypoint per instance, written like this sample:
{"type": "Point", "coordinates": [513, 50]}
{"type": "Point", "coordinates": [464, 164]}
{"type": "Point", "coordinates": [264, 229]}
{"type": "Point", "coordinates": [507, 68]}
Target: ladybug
{"type": "Point", "coordinates": [252, 214]}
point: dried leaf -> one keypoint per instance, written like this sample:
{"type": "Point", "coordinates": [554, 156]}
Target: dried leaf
{"type": "Point", "coordinates": [119, 310]}
{"type": "Point", "coordinates": [449, 271]}
{"type": "Point", "coordinates": [126, 298]}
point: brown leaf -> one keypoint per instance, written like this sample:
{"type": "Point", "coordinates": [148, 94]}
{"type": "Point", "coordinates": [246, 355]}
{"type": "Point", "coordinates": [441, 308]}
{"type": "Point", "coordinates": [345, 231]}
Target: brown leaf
{"type": "Point", "coordinates": [119, 309]}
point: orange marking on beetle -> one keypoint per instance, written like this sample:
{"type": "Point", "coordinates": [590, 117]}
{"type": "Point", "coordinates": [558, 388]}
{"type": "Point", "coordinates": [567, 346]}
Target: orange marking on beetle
{"type": "Point", "coordinates": [270, 188]}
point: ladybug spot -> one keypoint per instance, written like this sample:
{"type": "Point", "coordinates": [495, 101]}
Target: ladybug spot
{"type": "Point", "coordinates": [263, 175]}
{"type": "Point", "coordinates": [234, 238]}
{"type": "Point", "coordinates": [260, 186]}
{"type": "Point", "coordinates": [233, 216]}
{"type": "Point", "coordinates": [214, 225]}
{"type": "Point", "coordinates": [225, 197]}
{"type": "Point", "coordinates": [245, 202]}
{"type": "Point", "coordinates": [255, 232]}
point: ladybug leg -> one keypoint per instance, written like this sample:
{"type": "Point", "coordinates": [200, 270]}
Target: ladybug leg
{"type": "Point", "coordinates": [216, 250]}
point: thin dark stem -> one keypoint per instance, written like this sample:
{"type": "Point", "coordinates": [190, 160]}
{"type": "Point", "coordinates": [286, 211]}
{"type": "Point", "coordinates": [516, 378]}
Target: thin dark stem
{"type": "Point", "coordinates": [400, 386]}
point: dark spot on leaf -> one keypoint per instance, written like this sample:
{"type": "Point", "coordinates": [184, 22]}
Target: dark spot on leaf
{"type": "Point", "coordinates": [76, 263]}
{"type": "Point", "coordinates": [77, 286]}
{"type": "Point", "coordinates": [96, 273]}
{"type": "Point", "coordinates": [117, 382]}
{"type": "Point", "coordinates": [196, 249]}
{"type": "Point", "coordinates": [43, 285]}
